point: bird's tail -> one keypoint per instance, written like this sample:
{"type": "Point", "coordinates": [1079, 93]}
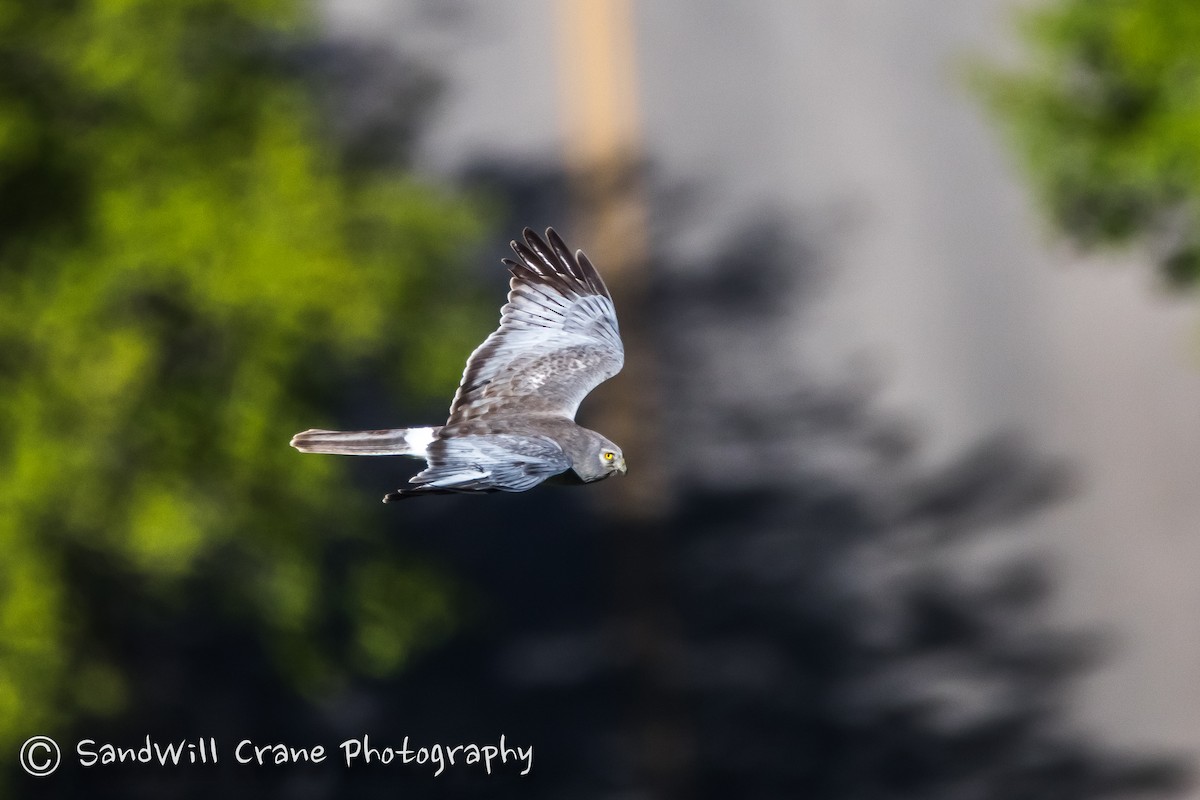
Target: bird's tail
{"type": "Point", "coordinates": [394, 442]}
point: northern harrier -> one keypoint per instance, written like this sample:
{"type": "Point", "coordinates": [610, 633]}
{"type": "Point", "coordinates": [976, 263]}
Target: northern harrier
{"type": "Point", "coordinates": [512, 421]}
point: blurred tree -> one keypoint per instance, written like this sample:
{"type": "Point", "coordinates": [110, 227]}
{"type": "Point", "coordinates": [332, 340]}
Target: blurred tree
{"type": "Point", "coordinates": [855, 623]}
{"type": "Point", "coordinates": [1107, 120]}
{"type": "Point", "coordinates": [184, 258]}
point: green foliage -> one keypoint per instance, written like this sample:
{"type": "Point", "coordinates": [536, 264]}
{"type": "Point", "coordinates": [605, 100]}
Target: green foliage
{"type": "Point", "coordinates": [1107, 119]}
{"type": "Point", "coordinates": [182, 265]}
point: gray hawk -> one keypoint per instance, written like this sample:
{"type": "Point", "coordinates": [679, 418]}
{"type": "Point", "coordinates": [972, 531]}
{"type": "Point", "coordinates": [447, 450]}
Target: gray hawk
{"type": "Point", "coordinates": [512, 420]}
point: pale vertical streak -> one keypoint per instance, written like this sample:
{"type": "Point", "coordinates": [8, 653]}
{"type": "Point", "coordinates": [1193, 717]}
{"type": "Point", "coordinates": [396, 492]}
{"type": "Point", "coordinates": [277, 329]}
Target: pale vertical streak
{"type": "Point", "coordinates": [603, 155]}
{"type": "Point", "coordinates": [599, 81]}
{"type": "Point", "coordinates": [602, 147]}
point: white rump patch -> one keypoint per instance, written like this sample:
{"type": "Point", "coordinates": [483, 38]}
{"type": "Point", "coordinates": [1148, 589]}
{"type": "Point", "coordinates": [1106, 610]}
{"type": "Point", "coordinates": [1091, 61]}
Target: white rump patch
{"type": "Point", "coordinates": [418, 439]}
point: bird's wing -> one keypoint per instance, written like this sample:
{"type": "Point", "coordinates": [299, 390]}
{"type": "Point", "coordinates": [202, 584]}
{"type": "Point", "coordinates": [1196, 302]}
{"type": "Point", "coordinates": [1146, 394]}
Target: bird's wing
{"type": "Point", "coordinates": [493, 462]}
{"type": "Point", "coordinates": [557, 339]}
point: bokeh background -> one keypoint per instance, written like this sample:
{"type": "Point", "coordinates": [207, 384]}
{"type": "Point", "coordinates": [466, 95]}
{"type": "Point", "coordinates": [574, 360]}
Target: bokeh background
{"type": "Point", "coordinates": [911, 406]}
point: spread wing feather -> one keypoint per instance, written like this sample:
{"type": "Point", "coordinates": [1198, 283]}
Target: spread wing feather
{"type": "Point", "coordinates": [558, 337]}
{"type": "Point", "coordinates": [494, 462]}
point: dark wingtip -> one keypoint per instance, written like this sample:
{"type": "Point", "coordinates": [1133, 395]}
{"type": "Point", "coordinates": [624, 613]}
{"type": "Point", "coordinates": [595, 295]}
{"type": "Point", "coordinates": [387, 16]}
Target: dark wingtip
{"type": "Point", "coordinates": [545, 260]}
{"type": "Point", "coordinates": [541, 251]}
{"type": "Point", "coordinates": [531, 236]}
{"type": "Point", "coordinates": [591, 274]}
{"type": "Point", "coordinates": [528, 257]}
{"type": "Point", "coordinates": [563, 252]}
{"type": "Point", "coordinates": [517, 246]}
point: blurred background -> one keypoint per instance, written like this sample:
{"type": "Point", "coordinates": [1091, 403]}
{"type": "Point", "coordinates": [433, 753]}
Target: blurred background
{"type": "Point", "coordinates": [910, 406]}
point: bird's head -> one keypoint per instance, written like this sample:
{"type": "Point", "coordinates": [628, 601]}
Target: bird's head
{"type": "Point", "coordinates": [612, 460]}
{"type": "Point", "coordinates": [601, 458]}
{"type": "Point", "coordinates": [596, 458]}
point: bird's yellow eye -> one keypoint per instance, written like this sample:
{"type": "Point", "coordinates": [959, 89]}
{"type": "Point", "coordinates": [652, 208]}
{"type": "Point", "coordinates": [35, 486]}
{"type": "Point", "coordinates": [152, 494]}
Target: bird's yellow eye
{"type": "Point", "coordinates": [608, 455]}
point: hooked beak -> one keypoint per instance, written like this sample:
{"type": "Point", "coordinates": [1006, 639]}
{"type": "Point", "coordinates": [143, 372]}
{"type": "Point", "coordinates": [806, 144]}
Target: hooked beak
{"type": "Point", "coordinates": [621, 466]}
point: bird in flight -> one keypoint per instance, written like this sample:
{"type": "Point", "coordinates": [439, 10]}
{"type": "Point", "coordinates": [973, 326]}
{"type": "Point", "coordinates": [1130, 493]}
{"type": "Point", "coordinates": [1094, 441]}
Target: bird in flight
{"type": "Point", "coordinates": [512, 420]}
